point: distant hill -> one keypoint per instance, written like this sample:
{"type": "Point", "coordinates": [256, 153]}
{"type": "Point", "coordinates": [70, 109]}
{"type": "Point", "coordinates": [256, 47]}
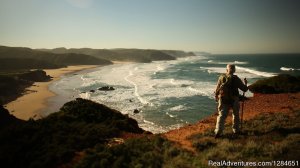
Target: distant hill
{"type": "Point", "coordinates": [25, 63]}
{"type": "Point", "coordinates": [141, 55]}
{"type": "Point", "coordinates": [134, 55]}
{"type": "Point", "coordinates": [26, 57]}
{"type": "Point", "coordinates": [178, 53]}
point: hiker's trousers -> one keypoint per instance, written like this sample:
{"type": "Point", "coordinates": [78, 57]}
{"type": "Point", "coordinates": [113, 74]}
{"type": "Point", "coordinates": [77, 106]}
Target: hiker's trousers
{"type": "Point", "coordinates": [223, 110]}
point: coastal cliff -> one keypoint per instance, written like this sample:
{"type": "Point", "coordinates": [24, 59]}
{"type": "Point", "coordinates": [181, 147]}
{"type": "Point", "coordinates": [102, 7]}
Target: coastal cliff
{"type": "Point", "coordinates": [54, 140]}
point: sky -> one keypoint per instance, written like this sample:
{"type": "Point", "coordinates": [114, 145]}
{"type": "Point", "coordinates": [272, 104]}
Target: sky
{"type": "Point", "coordinates": [216, 26]}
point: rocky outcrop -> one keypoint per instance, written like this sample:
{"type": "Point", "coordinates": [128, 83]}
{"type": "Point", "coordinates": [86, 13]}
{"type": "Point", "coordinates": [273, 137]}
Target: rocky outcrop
{"type": "Point", "coordinates": [106, 88]}
{"type": "Point", "coordinates": [36, 76]}
{"type": "Point", "coordinates": [278, 84]}
{"type": "Point", "coordinates": [14, 84]}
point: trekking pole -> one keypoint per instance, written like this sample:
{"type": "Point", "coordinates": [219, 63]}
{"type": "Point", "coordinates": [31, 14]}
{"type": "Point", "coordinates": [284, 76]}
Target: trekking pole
{"type": "Point", "coordinates": [243, 103]}
{"type": "Point", "coordinates": [242, 111]}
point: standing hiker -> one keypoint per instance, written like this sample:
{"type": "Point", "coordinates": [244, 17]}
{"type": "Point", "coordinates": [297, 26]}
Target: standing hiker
{"type": "Point", "coordinates": [227, 95]}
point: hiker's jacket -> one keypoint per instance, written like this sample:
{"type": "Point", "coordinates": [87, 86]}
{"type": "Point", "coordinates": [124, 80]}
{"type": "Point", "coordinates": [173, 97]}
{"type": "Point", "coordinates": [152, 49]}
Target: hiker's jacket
{"type": "Point", "coordinates": [235, 84]}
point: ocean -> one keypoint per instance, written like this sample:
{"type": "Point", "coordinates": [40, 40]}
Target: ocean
{"type": "Point", "coordinates": [167, 94]}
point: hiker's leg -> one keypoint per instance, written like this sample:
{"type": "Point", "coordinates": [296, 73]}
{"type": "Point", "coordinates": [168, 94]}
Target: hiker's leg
{"type": "Point", "coordinates": [236, 116]}
{"type": "Point", "coordinates": [222, 114]}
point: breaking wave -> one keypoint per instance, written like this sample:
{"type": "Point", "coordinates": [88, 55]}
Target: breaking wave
{"type": "Point", "coordinates": [252, 71]}
{"type": "Point", "coordinates": [289, 69]}
{"type": "Point", "coordinates": [225, 63]}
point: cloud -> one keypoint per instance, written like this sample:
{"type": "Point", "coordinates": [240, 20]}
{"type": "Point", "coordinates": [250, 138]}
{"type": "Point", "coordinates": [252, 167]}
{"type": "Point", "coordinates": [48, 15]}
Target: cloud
{"type": "Point", "coordinates": [81, 3]}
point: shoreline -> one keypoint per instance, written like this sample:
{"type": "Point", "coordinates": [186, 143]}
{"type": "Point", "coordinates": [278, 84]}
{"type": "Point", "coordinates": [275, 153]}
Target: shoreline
{"type": "Point", "coordinates": [39, 93]}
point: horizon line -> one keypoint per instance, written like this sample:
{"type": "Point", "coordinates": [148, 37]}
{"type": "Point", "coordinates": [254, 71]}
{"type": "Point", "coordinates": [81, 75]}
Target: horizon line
{"type": "Point", "coordinates": [209, 53]}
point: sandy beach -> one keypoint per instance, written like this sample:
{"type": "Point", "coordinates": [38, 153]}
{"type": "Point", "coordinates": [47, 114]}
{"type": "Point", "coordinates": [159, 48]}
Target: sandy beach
{"type": "Point", "coordinates": [35, 99]}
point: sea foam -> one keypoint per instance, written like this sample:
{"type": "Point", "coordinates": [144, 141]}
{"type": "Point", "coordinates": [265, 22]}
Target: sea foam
{"type": "Point", "coordinates": [289, 69]}
{"type": "Point", "coordinates": [138, 88]}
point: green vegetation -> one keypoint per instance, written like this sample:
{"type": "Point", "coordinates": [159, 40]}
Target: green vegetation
{"type": "Point", "coordinates": [267, 137]}
{"type": "Point", "coordinates": [142, 152]}
{"type": "Point", "coordinates": [278, 84]}
{"type": "Point", "coordinates": [14, 83]}
{"type": "Point", "coordinates": [263, 139]}
{"type": "Point", "coordinates": [52, 141]}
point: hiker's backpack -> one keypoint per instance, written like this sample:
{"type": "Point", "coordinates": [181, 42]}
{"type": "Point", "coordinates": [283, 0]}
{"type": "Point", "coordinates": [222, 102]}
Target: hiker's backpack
{"type": "Point", "coordinates": [226, 89]}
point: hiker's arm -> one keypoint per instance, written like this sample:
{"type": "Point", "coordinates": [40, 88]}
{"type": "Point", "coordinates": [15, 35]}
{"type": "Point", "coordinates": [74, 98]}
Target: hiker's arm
{"type": "Point", "coordinates": [217, 89]}
{"type": "Point", "coordinates": [242, 86]}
